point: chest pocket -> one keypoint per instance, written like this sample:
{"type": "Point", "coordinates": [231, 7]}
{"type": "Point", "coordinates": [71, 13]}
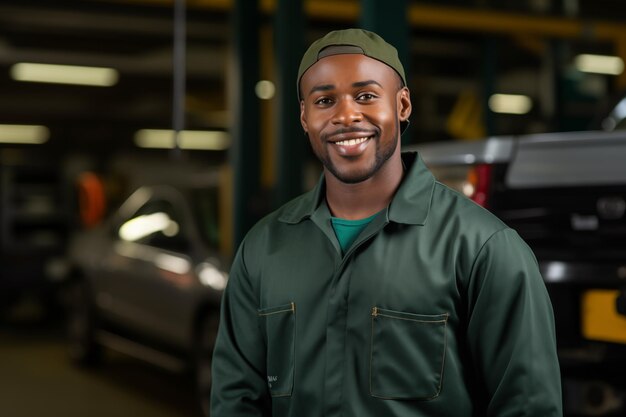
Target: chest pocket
{"type": "Point", "coordinates": [407, 354]}
{"type": "Point", "coordinates": [279, 325]}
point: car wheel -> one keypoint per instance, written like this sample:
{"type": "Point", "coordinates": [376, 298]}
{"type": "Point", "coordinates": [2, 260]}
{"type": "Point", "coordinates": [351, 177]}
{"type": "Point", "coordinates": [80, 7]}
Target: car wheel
{"type": "Point", "coordinates": [81, 325]}
{"type": "Point", "coordinates": [205, 342]}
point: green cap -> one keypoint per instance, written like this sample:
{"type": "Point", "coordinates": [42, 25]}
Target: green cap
{"type": "Point", "coordinates": [351, 41]}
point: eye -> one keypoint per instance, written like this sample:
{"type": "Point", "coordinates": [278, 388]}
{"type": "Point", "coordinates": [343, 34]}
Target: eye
{"type": "Point", "coordinates": [366, 97]}
{"type": "Point", "coordinates": [323, 101]}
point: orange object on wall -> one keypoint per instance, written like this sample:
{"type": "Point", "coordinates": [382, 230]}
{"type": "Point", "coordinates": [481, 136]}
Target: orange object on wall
{"type": "Point", "coordinates": [91, 199]}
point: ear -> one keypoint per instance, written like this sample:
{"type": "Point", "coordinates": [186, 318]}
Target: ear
{"type": "Point", "coordinates": [303, 117]}
{"type": "Point", "coordinates": [404, 104]}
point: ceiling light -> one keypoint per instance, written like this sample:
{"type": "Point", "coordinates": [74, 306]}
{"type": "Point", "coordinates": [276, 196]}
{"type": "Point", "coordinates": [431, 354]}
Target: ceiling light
{"type": "Point", "coordinates": [510, 103]}
{"type": "Point", "coordinates": [599, 64]}
{"type": "Point", "coordinates": [24, 134]}
{"type": "Point", "coordinates": [64, 74]}
{"type": "Point", "coordinates": [265, 89]}
{"type": "Point", "coordinates": [212, 140]}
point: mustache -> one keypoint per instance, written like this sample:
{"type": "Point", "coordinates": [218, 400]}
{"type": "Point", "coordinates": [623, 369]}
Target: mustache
{"type": "Point", "coordinates": [341, 131]}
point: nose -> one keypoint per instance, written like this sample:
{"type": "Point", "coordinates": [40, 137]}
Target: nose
{"type": "Point", "coordinates": [346, 112]}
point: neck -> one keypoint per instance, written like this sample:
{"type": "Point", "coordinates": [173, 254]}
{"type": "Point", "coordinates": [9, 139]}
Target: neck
{"type": "Point", "coordinates": [364, 199]}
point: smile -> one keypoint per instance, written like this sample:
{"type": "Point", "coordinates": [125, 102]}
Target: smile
{"type": "Point", "coordinates": [352, 142]}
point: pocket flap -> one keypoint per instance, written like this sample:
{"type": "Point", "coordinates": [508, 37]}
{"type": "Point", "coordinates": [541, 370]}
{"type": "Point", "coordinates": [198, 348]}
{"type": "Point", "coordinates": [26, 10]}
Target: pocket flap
{"type": "Point", "coordinates": [407, 354]}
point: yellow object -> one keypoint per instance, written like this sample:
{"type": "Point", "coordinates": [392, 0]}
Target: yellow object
{"type": "Point", "coordinates": [466, 119]}
{"type": "Point", "coordinates": [600, 320]}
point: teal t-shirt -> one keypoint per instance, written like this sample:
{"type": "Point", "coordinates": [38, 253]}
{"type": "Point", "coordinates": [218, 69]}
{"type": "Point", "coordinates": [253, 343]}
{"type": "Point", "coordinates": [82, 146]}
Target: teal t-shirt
{"type": "Point", "coordinates": [348, 230]}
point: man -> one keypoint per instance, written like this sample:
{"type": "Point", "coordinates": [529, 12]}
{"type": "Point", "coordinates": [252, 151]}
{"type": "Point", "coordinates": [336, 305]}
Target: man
{"type": "Point", "coordinates": [381, 292]}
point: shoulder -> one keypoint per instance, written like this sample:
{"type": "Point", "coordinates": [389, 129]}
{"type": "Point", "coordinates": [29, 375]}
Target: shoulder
{"type": "Point", "coordinates": [450, 206]}
{"type": "Point", "coordinates": [277, 222]}
{"type": "Point", "coordinates": [472, 233]}
{"type": "Point", "coordinates": [269, 231]}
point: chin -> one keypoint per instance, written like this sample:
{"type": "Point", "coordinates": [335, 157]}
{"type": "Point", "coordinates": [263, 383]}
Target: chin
{"type": "Point", "coordinates": [353, 176]}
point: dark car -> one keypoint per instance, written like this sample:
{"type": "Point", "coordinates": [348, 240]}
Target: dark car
{"type": "Point", "coordinates": [565, 194]}
{"type": "Point", "coordinates": [148, 282]}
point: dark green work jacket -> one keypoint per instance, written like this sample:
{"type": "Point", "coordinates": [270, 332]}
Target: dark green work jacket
{"type": "Point", "coordinates": [437, 309]}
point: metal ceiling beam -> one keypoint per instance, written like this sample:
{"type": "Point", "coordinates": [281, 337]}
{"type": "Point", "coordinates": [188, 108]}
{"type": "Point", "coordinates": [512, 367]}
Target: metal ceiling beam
{"type": "Point", "coordinates": [440, 17]}
{"type": "Point", "coordinates": [486, 21]}
{"type": "Point", "coordinates": [455, 19]}
{"type": "Point", "coordinates": [62, 18]}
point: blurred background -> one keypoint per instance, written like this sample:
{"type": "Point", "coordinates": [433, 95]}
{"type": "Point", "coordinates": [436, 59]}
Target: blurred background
{"type": "Point", "coordinates": [140, 139]}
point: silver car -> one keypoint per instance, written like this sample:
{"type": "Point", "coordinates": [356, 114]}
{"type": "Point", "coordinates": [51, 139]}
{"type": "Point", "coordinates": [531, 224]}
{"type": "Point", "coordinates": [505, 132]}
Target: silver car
{"type": "Point", "coordinates": [148, 283]}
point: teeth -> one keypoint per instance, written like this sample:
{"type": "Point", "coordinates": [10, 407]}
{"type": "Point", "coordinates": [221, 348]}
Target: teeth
{"type": "Point", "coordinates": [351, 142]}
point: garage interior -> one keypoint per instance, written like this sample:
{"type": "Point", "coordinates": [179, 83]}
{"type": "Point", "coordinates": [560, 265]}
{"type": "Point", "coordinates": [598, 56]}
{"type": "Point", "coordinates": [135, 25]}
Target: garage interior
{"type": "Point", "coordinates": [71, 153]}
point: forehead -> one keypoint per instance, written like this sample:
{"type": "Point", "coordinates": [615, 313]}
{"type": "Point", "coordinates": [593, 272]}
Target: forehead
{"type": "Point", "coordinates": [348, 68]}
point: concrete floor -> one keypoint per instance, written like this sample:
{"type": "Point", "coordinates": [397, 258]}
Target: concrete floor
{"type": "Point", "coordinates": [36, 378]}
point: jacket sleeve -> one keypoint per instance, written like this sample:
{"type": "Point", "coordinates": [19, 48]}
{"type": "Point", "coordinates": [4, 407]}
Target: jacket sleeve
{"type": "Point", "coordinates": [511, 331]}
{"type": "Point", "coordinates": [239, 387]}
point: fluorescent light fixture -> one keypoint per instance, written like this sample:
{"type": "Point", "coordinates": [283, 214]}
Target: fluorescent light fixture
{"type": "Point", "coordinates": [599, 64]}
{"type": "Point", "coordinates": [510, 103]}
{"type": "Point", "coordinates": [24, 134]}
{"type": "Point", "coordinates": [265, 89]}
{"type": "Point", "coordinates": [64, 74]}
{"type": "Point", "coordinates": [207, 140]}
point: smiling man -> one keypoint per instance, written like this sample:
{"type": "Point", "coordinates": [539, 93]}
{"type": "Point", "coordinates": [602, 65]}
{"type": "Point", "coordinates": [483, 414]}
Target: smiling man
{"type": "Point", "coordinates": [381, 292]}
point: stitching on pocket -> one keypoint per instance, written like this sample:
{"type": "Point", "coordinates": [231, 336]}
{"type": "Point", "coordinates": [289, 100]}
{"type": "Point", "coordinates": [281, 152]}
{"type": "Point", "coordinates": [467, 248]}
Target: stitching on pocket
{"type": "Point", "coordinates": [414, 320]}
{"type": "Point", "coordinates": [291, 307]}
{"type": "Point", "coordinates": [443, 359]}
{"type": "Point", "coordinates": [398, 315]}
{"type": "Point", "coordinates": [427, 318]}
{"type": "Point", "coordinates": [372, 348]}
{"type": "Point", "coordinates": [272, 310]}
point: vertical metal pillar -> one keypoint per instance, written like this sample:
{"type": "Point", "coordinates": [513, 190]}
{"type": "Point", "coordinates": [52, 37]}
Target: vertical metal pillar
{"type": "Point", "coordinates": [490, 64]}
{"type": "Point", "coordinates": [179, 69]}
{"type": "Point", "coordinates": [558, 52]}
{"type": "Point", "coordinates": [389, 20]}
{"type": "Point", "coordinates": [560, 55]}
{"type": "Point", "coordinates": [289, 47]}
{"type": "Point", "coordinates": [244, 153]}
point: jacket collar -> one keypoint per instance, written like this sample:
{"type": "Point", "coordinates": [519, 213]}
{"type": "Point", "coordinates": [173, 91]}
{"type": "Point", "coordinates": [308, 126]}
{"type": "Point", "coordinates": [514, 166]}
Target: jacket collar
{"type": "Point", "coordinates": [410, 204]}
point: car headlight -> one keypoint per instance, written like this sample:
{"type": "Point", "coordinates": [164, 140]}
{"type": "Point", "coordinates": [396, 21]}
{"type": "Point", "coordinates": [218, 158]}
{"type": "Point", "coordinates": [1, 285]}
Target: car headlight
{"type": "Point", "coordinates": [211, 276]}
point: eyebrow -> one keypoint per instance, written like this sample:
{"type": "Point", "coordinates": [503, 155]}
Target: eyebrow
{"type": "Point", "coordinates": [358, 84]}
{"type": "Point", "coordinates": [324, 87]}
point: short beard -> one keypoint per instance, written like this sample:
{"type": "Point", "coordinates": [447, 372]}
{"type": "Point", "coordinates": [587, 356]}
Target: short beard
{"type": "Point", "coordinates": [379, 161]}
